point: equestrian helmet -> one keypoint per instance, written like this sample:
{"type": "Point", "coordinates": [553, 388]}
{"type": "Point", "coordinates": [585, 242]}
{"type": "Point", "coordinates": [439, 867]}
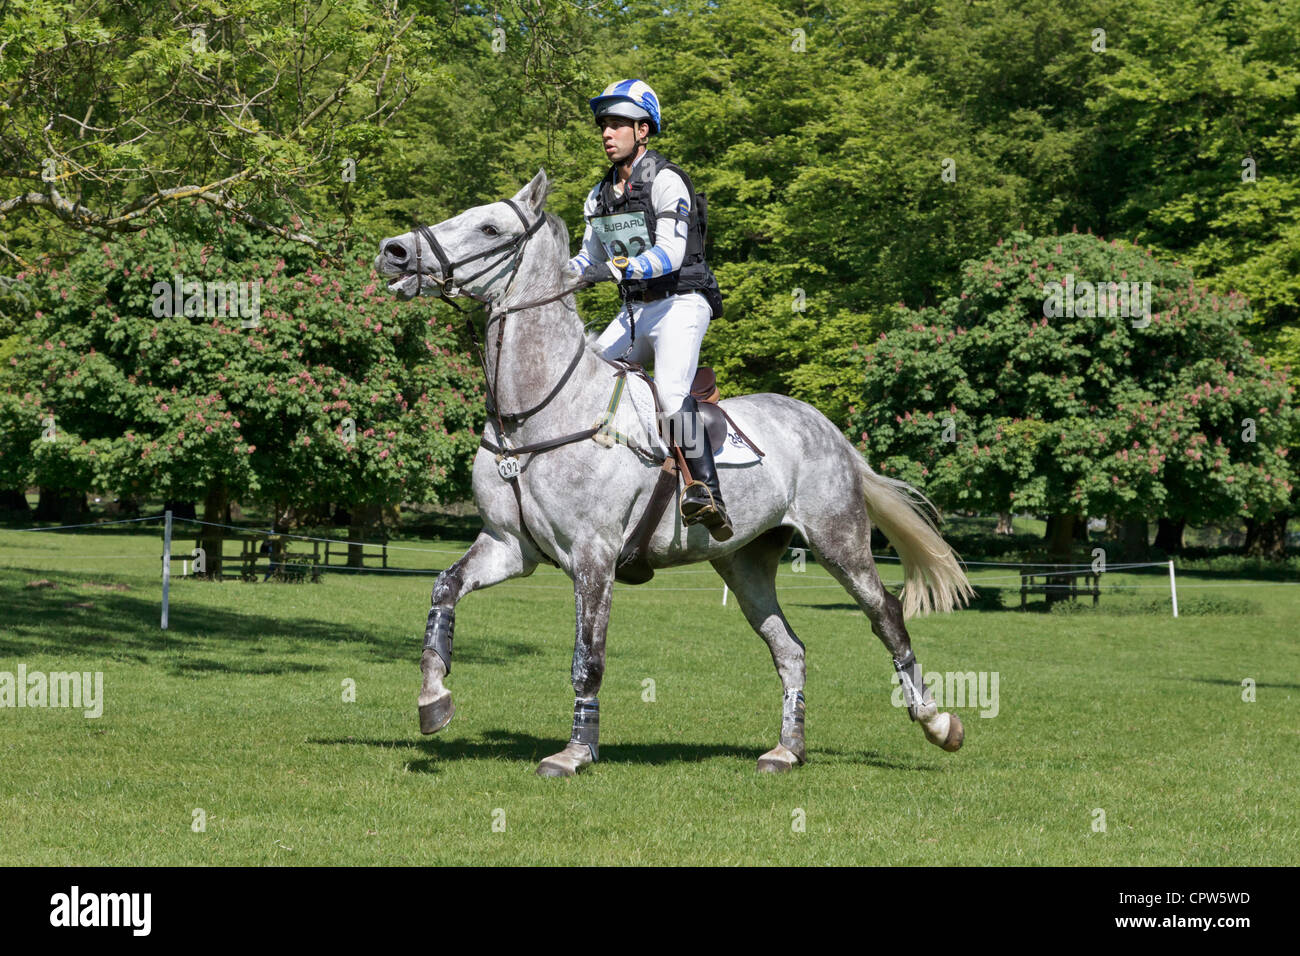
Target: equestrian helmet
{"type": "Point", "coordinates": [630, 98]}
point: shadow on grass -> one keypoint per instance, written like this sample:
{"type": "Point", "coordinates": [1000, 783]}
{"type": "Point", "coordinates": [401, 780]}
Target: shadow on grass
{"type": "Point", "coordinates": [1224, 682]}
{"type": "Point", "coordinates": [512, 745]}
{"type": "Point", "coordinates": [874, 759]}
{"type": "Point", "coordinates": [196, 666]}
{"type": "Point", "coordinates": [126, 627]}
{"type": "Point", "coordinates": [849, 606]}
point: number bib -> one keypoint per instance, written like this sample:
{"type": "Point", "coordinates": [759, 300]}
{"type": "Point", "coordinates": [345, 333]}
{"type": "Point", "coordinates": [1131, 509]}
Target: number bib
{"type": "Point", "coordinates": [623, 234]}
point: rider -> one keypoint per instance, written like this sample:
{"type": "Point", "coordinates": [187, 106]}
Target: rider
{"type": "Point", "coordinates": [645, 229]}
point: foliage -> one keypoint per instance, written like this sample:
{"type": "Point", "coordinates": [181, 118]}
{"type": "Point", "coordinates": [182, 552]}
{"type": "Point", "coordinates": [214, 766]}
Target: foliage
{"type": "Point", "coordinates": [855, 153]}
{"type": "Point", "coordinates": [992, 405]}
{"type": "Point", "coordinates": [176, 405]}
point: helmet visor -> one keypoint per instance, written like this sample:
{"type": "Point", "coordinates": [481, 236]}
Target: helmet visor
{"type": "Point", "coordinates": [622, 108]}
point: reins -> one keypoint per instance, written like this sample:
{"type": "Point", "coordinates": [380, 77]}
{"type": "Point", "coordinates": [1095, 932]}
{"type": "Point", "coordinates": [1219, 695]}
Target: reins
{"type": "Point", "coordinates": [448, 291]}
{"type": "Point", "coordinates": [512, 251]}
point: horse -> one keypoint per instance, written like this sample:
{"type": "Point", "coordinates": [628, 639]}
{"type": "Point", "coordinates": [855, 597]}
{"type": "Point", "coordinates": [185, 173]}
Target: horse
{"type": "Point", "coordinates": [573, 502]}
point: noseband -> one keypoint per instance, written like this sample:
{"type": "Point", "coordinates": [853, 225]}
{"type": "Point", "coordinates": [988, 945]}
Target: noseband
{"type": "Point", "coordinates": [448, 287]}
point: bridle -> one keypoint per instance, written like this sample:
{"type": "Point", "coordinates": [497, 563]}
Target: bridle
{"type": "Point", "coordinates": [511, 250]}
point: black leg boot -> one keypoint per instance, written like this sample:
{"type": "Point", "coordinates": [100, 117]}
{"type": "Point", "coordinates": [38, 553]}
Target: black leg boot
{"type": "Point", "coordinates": [702, 499]}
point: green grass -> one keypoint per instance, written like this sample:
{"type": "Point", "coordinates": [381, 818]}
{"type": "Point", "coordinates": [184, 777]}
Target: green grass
{"type": "Point", "coordinates": [237, 709]}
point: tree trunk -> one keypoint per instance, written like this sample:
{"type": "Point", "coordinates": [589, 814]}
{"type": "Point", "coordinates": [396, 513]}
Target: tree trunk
{"type": "Point", "coordinates": [214, 509]}
{"type": "Point", "coordinates": [1059, 548]}
{"type": "Point", "coordinates": [14, 500]}
{"type": "Point", "coordinates": [1004, 523]}
{"type": "Point", "coordinates": [1252, 535]}
{"type": "Point", "coordinates": [280, 517]}
{"type": "Point", "coordinates": [1133, 537]}
{"type": "Point", "coordinates": [363, 521]}
{"type": "Point", "coordinates": [1169, 535]}
{"type": "Point", "coordinates": [181, 509]}
{"type": "Point", "coordinates": [124, 507]}
{"type": "Point", "coordinates": [1062, 539]}
{"type": "Point", "coordinates": [61, 505]}
{"type": "Point", "coordinates": [1267, 538]}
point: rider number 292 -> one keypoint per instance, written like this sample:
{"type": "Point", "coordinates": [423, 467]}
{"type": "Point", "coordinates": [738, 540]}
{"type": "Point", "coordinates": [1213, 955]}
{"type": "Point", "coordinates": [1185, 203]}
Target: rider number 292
{"type": "Point", "coordinates": [624, 234]}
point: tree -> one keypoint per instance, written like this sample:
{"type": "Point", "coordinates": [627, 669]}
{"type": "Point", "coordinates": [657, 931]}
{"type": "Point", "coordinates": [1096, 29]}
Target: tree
{"type": "Point", "coordinates": [1019, 393]}
{"type": "Point", "coordinates": [332, 391]}
{"type": "Point", "coordinates": [242, 106]}
{"type": "Point", "coordinates": [1198, 123]}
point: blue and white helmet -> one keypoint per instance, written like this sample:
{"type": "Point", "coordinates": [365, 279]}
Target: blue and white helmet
{"type": "Point", "coordinates": [631, 98]}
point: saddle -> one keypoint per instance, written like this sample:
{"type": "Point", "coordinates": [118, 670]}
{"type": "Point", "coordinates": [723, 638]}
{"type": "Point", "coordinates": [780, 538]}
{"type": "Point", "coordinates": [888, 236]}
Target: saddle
{"type": "Point", "coordinates": [704, 389]}
{"type": "Point", "coordinates": [632, 566]}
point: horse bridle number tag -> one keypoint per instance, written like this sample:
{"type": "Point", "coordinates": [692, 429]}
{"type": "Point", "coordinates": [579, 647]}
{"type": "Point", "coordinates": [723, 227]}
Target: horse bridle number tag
{"type": "Point", "coordinates": [509, 467]}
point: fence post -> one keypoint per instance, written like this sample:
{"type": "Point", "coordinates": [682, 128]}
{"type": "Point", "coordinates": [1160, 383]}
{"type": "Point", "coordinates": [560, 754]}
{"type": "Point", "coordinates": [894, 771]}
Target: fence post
{"type": "Point", "coordinates": [1173, 587]}
{"type": "Point", "coordinates": [167, 563]}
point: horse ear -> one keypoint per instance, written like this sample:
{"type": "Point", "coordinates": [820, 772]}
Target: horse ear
{"type": "Point", "coordinates": [535, 193]}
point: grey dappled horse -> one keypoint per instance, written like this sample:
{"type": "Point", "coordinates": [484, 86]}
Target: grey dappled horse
{"type": "Point", "coordinates": [575, 504]}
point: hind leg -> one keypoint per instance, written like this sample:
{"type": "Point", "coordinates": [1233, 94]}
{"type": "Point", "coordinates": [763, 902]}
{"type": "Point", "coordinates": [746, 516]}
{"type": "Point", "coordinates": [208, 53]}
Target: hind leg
{"type": "Point", "coordinates": [846, 554]}
{"type": "Point", "coordinates": [750, 574]}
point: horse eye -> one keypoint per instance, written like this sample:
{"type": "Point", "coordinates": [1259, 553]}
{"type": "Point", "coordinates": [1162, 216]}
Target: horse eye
{"type": "Point", "coordinates": [491, 230]}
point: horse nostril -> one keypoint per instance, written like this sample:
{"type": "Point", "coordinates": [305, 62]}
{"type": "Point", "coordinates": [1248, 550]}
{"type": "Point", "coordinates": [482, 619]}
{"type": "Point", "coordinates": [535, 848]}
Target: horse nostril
{"type": "Point", "coordinates": [395, 251]}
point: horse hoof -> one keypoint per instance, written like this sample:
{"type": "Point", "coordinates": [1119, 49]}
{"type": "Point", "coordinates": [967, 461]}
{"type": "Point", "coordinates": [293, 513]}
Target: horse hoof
{"type": "Point", "coordinates": [436, 714]}
{"type": "Point", "coordinates": [566, 763]}
{"type": "Point", "coordinates": [551, 768]}
{"type": "Point", "coordinates": [956, 734]}
{"type": "Point", "coordinates": [778, 760]}
{"type": "Point", "coordinates": [945, 730]}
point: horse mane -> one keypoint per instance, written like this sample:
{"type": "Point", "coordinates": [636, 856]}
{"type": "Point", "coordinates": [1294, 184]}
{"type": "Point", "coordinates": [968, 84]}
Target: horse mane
{"type": "Point", "coordinates": [559, 230]}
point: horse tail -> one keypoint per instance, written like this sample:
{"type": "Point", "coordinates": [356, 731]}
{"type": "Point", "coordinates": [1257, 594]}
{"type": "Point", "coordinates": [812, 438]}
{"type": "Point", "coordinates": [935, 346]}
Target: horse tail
{"type": "Point", "coordinates": [932, 577]}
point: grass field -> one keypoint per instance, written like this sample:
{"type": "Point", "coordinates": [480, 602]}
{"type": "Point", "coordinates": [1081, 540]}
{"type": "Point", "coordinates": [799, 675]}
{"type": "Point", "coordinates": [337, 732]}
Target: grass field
{"type": "Point", "coordinates": [237, 710]}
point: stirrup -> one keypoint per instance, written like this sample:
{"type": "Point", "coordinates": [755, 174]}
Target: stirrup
{"type": "Point", "coordinates": [711, 514]}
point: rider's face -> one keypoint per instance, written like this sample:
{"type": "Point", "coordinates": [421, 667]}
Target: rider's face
{"type": "Point", "coordinates": [620, 136]}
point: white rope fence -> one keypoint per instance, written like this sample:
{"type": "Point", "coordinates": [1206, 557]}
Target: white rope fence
{"type": "Point", "coordinates": [800, 555]}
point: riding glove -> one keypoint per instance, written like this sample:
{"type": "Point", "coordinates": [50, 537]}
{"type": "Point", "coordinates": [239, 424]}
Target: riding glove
{"type": "Point", "coordinates": [602, 272]}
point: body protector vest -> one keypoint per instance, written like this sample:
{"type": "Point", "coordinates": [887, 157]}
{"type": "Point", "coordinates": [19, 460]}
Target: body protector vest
{"type": "Point", "coordinates": [625, 225]}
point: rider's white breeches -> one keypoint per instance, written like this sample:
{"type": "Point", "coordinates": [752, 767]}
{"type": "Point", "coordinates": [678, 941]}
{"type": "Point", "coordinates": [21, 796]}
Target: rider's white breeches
{"type": "Point", "coordinates": [669, 331]}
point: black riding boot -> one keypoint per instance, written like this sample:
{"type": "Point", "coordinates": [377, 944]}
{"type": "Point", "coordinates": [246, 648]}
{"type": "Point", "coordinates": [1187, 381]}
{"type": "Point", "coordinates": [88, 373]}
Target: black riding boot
{"type": "Point", "coordinates": [702, 499]}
